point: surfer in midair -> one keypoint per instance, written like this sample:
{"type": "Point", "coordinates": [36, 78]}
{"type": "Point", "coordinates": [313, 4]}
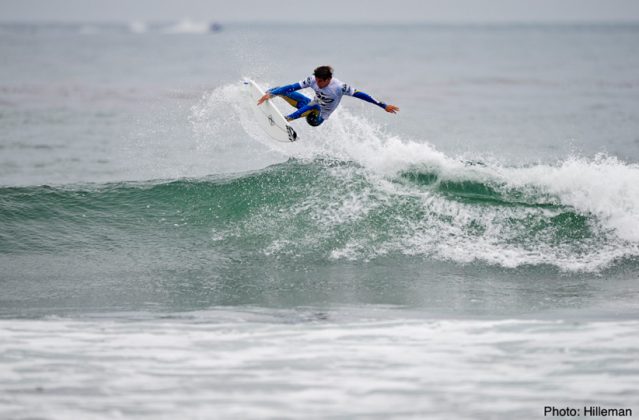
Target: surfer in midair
{"type": "Point", "coordinates": [328, 94]}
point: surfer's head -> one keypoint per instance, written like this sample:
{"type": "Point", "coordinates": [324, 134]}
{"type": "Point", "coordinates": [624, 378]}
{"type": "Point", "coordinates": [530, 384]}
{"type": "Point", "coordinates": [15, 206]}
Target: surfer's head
{"type": "Point", "coordinates": [323, 76]}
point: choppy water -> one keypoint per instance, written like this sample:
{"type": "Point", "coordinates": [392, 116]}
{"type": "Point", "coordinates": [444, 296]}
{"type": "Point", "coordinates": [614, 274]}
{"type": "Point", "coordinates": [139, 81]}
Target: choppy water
{"type": "Point", "coordinates": [475, 256]}
{"type": "Point", "coordinates": [292, 364]}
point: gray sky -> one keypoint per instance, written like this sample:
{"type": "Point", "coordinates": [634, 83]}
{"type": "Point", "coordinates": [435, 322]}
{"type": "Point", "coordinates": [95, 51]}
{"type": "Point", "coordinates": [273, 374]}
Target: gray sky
{"type": "Point", "coordinates": [322, 10]}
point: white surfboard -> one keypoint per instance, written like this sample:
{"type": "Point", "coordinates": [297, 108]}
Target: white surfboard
{"type": "Point", "coordinates": [268, 116]}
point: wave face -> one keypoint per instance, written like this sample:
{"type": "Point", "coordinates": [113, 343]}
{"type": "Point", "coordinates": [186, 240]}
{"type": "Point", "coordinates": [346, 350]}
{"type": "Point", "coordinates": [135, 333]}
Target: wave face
{"type": "Point", "coordinates": [575, 216]}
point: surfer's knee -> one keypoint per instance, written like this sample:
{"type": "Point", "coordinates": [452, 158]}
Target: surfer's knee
{"type": "Point", "coordinates": [314, 119]}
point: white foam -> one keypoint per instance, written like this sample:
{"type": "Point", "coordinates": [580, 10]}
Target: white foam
{"type": "Point", "coordinates": [138, 27]}
{"type": "Point", "coordinates": [231, 362]}
{"type": "Point", "coordinates": [603, 186]}
{"type": "Point", "coordinates": [188, 26]}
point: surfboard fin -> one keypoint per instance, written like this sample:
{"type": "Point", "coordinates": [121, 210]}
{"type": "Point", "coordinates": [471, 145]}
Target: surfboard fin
{"type": "Point", "coordinates": [292, 135]}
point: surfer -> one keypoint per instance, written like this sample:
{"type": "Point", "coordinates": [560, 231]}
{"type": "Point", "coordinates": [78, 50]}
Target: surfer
{"type": "Point", "coordinates": [328, 94]}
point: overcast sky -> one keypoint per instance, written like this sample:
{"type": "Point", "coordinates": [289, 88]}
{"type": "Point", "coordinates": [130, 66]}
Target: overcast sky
{"type": "Point", "coordinates": [322, 10]}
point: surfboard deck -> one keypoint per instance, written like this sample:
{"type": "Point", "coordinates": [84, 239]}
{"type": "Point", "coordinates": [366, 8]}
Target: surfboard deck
{"type": "Point", "coordinates": [268, 116]}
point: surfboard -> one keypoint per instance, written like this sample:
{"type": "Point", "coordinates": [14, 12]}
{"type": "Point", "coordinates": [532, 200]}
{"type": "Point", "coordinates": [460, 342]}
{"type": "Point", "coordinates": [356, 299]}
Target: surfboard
{"type": "Point", "coordinates": [268, 116]}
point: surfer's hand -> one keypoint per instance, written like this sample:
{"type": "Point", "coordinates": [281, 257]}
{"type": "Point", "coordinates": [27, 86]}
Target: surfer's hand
{"type": "Point", "coordinates": [264, 98]}
{"type": "Point", "coordinates": [392, 109]}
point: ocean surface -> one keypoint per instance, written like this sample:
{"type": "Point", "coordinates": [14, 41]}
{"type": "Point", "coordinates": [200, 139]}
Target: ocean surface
{"type": "Point", "coordinates": [475, 256]}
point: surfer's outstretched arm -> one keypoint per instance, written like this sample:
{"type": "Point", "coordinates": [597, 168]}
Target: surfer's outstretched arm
{"type": "Point", "coordinates": [283, 90]}
{"type": "Point", "coordinates": [365, 97]}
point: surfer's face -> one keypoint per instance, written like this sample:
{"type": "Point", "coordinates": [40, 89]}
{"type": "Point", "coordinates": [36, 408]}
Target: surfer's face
{"type": "Point", "coordinates": [322, 83]}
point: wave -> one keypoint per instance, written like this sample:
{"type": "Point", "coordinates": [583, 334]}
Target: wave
{"type": "Point", "coordinates": [138, 27]}
{"type": "Point", "coordinates": [183, 26]}
{"type": "Point", "coordinates": [324, 209]}
{"type": "Point", "coordinates": [188, 26]}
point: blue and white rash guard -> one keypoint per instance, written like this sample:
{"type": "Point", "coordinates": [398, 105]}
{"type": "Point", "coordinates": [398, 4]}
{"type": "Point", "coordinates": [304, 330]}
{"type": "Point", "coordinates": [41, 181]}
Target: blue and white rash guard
{"type": "Point", "coordinates": [326, 99]}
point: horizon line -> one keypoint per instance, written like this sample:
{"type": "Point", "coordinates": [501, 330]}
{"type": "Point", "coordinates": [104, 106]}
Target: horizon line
{"type": "Point", "coordinates": [336, 22]}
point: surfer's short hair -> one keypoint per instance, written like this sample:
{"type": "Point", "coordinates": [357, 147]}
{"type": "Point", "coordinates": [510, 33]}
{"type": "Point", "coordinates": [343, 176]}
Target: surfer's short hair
{"type": "Point", "coordinates": [323, 72]}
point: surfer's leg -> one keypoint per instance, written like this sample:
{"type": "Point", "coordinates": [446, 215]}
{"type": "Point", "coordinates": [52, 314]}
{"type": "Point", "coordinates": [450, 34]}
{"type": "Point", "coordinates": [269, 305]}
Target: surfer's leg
{"type": "Point", "coordinates": [305, 108]}
{"type": "Point", "coordinates": [311, 112]}
{"type": "Point", "coordinates": [303, 111]}
{"type": "Point", "coordinates": [296, 99]}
